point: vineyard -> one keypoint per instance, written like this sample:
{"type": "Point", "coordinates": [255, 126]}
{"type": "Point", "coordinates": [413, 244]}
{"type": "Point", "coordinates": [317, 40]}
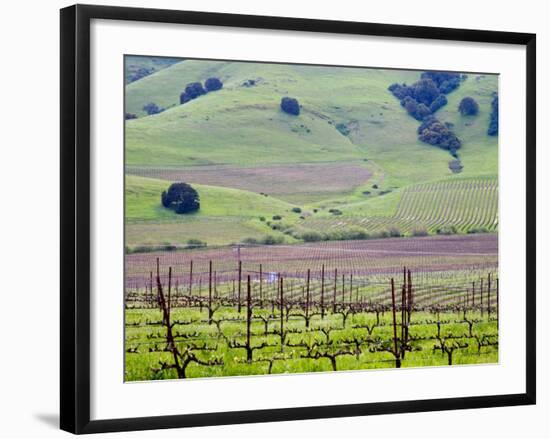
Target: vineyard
{"type": "Point", "coordinates": [243, 311]}
{"type": "Point", "coordinates": [465, 205]}
{"type": "Point", "coordinates": [440, 257]}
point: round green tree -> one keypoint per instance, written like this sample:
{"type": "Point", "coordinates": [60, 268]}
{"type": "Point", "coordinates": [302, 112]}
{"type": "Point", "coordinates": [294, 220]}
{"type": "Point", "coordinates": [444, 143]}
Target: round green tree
{"type": "Point", "coordinates": [468, 106]}
{"type": "Point", "coordinates": [181, 197]}
{"type": "Point", "coordinates": [290, 106]}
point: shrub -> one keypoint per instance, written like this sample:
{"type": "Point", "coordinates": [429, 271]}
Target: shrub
{"type": "Point", "coordinates": [343, 129]}
{"type": "Point", "coordinates": [425, 91]}
{"type": "Point", "coordinates": [129, 116]}
{"type": "Point", "coordinates": [433, 132]}
{"type": "Point", "coordinates": [446, 230]}
{"type": "Point", "coordinates": [456, 166]}
{"type": "Point", "coordinates": [213, 84]}
{"type": "Point", "coordinates": [335, 211]}
{"type": "Point", "coordinates": [192, 91]}
{"type": "Point", "coordinates": [151, 248]}
{"type": "Point", "coordinates": [350, 234]}
{"type": "Point", "coordinates": [439, 102]}
{"type": "Point", "coordinates": [250, 241]}
{"type": "Point", "coordinates": [140, 73]}
{"type": "Point", "coordinates": [181, 197]}
{"type": "Point", "coordinates": [412, 108]}
{"type": "Point", "coordinates": [276, 217]}
{"type": "Point", "coordinates": [468, 106]}
{"type": "Point", "coordinates": [312, 236]}
{"type": "Point", "coordinates": [290, 106]}
{"type": "Point", "coordinates": [195, 243]}
{"type": "Point", "coordinates": [394, 232]}
{"type": "Point", "coordinates": [296, 210]}
{"type": "Point", "coordinates": [262, 218]}
{"type": "Point", "coordinates": [493, 122]}
{"type": "Point", "coordinates": [272, 240]}
{"type": "Point", "coordinates": [445, 81]}
{"type": "Point", "coordinates": [152, 108]}
{"type": "Point", "coordinates": [400, 91]}
{"type": "Point", "coordinates": [249, 83]}
{"type": "Point", "coordinates": [419, 232]}
{"type": "Point", "coordinates": [478, 230]}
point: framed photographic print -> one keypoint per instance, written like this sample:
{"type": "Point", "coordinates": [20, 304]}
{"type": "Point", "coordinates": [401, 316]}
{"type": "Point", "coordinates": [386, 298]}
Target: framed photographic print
{"type": "Point", "coordinates": [268, 218]}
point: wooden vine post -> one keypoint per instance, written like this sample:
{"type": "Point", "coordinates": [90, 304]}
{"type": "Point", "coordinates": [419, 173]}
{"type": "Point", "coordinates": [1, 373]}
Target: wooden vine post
{"type": "Point", "coordinates": [261, 296]}
{"type": "Point", "coordinates": [481, 296]}
{"type": "Point", "coordinates": [281, 311]}
{"type": "Point", "coordinates": [248, 320]}
{"type": "Point", "coordinates": [239, 287]}
{"type": "Point", "coordinates": [307, 297]}
{"type": "Point", "coordinates": [191, 278]}
{"type": "Point", "coordinates": [210, 293]}
{"type": "Point", "coordinates": [334, 292]}
{"type": "Point", "coordinates": [323, 292]}
{"type": "Point", "coordinates": [489, 296]}
{"type": "Point", "coordinates": [395, 351]}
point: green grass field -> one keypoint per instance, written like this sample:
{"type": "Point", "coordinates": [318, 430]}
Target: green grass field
{"type": "Point", "coordinates": [145, 342]}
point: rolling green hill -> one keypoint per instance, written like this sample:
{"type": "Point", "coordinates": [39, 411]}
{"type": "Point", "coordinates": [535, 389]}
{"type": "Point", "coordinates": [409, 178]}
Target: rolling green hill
{"type": "Point", "coordinates": [226, 215]}
{"type": "Point", "coordinates": [143, 202]}
{"type": "Point", "coordinates": [138, 67]}
{"type": "Point", "coordinates": [349, 120]}
{"type": "Point", "coordinates": [245, 123]}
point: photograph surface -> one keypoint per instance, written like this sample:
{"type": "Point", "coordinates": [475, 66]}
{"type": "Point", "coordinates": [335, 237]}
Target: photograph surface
{"type": "Point", "coordinates": [293, 218]}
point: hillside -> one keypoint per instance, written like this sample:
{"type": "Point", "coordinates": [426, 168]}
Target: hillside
{"type": "Point", "coordinates": [353, 148]}
{"type": "Point", "coordinates": [222, 209]}
{"type": "Point", "coordinates": [246, 122]}
{"type": "Point", "coordinates": [138, 67]}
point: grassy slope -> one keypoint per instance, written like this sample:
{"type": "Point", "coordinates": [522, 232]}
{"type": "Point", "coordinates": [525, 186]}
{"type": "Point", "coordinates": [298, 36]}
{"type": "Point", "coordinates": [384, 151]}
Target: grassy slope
{"type": "Point", "coordinates": [221, 209]}
{"type": "Point", "coordinates": [240, 124]}
{"type": "Point", "coordinates": [244, 126]}
{"type": "Point", "coordinates": [136, 62]}
{"type": "Point", "coordinates": [479, 152]}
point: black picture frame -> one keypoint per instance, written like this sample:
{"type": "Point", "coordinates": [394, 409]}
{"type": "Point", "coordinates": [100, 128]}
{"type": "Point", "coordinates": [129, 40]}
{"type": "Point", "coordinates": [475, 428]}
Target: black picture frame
{"type": "Point", "coordinates": [75, 217]}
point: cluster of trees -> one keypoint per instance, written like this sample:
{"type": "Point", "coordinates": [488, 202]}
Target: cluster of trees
{"type": "Point", "coordinates": [427, 95]}
{"type": "Point", "coordinates": [434, 132]}
{"type": "Point", "coordinates": [290, 106]}
{"type": "Point", "coordinates": [445, 81]}
{"type": "Point", "coordinates": [493, 121]}
{"type": "Point", "coordinates": [152, 108]}
{"type": "Point", "coordinates": [422, 99]}
{"type": "Point", "coordinates": [141, 72]}
{"type": "Point", "coordinates": [181, 197]}
{"type": "Point", "coordinates": [195, 89]}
